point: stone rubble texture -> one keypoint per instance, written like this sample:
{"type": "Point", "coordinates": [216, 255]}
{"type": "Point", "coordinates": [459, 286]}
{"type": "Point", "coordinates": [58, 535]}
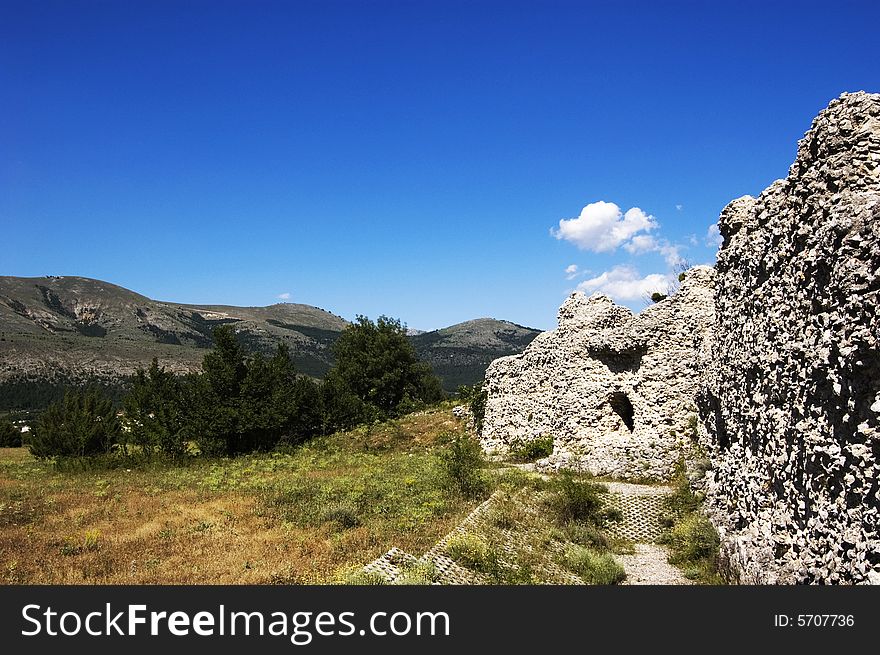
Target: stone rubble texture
{"type": "Point", "coordinates": [792, 377]}
{"type": "Point", "coordinates": [574, 383]}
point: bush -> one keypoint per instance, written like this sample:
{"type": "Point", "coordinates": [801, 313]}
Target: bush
{"type": "Point", "coordinates": [477, 554]}
{"type": "Point", "coordinates": [593, 568]}
{"type": "Point", "coordinates": [692, 540]}
{"type": "Point", "coordinates": [529, 450]}
{"type": "Point", "coordinates": [579, 500]}
{"type": "Point", "coordinates": [418, 573]}
{"type": "Point", "coordinates": [10, 434]}
{"type": "Point", "coordinates": [587, 535]}
{"type": "Point", "coordinates": [471, 551]}
{"type": "Point", "coordinates": [83, 423]}
{"type": "Point", "coordinates": [461, 463]}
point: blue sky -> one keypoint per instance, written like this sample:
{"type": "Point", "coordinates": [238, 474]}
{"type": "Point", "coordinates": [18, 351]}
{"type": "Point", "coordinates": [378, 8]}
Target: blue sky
{"type": "Point", "coordinates": [407, 158]}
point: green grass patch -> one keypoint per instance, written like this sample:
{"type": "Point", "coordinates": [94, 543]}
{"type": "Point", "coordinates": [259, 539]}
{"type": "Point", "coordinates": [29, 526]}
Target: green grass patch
{"type": "Point", "coordinates": [592, 567]}
{"type": "Point", "coordinates": [691, 538]}
{"type": "Point", "coordinates": [576, 498]}
{"type": "Point", "coordinates": [530, 450]}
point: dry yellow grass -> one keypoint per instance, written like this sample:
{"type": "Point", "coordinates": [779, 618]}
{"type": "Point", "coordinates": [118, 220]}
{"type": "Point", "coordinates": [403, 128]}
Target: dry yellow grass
{"type": "Point", "coordinates": [307, 516]}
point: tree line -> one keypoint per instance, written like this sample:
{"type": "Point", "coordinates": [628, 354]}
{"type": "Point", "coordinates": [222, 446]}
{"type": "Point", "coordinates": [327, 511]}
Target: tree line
{"type": "Point", "coordinates": [243, 402]}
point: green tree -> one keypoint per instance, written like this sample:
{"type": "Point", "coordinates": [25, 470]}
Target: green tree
{"type": "Point", "coordinates": [154, 411]}
{"type": "Point", "coordinates": [214, 397]}
{"type": "Point", "coordinates": [240, 404]}
{"type": "Point", "coordinates": [82, 423]}
{"type": "Point", "coordinates": [268, 400]}
{"type": "Point", "coordinates": [340, 408]}
{"type": "Point", "coordinates": [10, 434]}
{"type": "Point", "coordinates": [378, 364]}
{"type": "Point", "coordinates": [306, 413]}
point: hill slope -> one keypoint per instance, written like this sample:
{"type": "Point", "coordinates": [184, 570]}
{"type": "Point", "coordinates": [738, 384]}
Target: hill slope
{"type": "Point", "coordinates": [460, 353]}
{"type": "Point", "coordinates": [85, 327]}
{"type": "Point", "coordinates": [54, 329]}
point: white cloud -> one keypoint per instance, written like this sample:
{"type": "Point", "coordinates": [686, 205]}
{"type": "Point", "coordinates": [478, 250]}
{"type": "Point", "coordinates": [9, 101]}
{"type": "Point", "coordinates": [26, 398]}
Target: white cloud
{"type": "Point", "coordinates": [603, 227]}
{"type": "Point", "coordinates": [571, 271]}
{"type": "Point", "coordinates": [679, 207]}
{"type": "Point", "coordinates": [284, 296]}
{"type": "Point", "coordinates": [625, 283]}
{"type": "Point", "coordinates": [713, 236]}
{"type": "Point", "coordinates": [646, 243]}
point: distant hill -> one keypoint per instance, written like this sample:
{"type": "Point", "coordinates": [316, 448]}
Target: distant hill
{"type": "Point", "coordinates": [460, 353]}
{"type": "Point", "coordinates": [59, 329]}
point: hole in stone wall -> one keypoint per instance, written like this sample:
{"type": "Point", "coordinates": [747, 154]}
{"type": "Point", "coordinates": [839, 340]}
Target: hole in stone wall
{"type": "Point", "coordinates": [623, 407]}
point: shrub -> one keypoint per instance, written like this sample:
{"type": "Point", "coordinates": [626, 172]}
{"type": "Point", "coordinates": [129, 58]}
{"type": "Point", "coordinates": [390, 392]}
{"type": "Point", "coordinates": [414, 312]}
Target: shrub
{"type": "Point", "coordinates": [474, 397]}
{"type": "Point", "coordinates": [657, 296]}
{"type": "Point", "coordinates": [477, 405]}
{"type": "Point", "coordinates": [461, 464]}
{"type": "Point", "coordinates": [419, 573]}
{"type": "Point", "coordinates": [593, 568]}
{"type": "Point", "coordinates": [470, 551]}
{"type": "Point", "coordinates": [359, 577]}
{"type": "Point", "coordinates": [692, 540]}
{"type": "Point", "coordinates": [529, 450]}
{"type": "Point", "coordinates": [83, 423]}
{"type": "Point", "coordinates": [579, 500]}
{"type": "Point", "coordinates": [682, 501]}
{"type": "Point", "coordinates": [587, 535]}
{"type": "Point", "coordinates": [506, 512]}
{"type": "Point", "coordinates": [10, 434]}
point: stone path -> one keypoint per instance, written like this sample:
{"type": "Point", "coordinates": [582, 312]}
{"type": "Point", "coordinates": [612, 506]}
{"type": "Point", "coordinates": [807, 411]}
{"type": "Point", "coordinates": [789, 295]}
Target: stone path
{"type": "Point", "coordinates": [648, 566]}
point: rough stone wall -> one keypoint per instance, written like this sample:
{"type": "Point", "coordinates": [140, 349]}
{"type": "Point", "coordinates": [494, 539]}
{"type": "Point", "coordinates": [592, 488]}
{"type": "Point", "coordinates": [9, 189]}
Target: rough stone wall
{"type": "Point", "coordinates": [581, 382]}
{"type": "Point", "coordinates": [792, 391]}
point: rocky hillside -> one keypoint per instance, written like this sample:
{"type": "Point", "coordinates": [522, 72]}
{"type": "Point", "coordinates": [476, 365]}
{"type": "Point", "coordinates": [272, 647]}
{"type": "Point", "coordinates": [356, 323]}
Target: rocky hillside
{"type": "Point", "coordinates": [54, 329]}
{"type": "Point", "coordinates": [460, 353]}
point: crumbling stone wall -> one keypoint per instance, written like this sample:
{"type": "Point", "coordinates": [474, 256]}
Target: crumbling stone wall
{"type": "Point", "coordinates": [792, 384]}
{"type": "Point", "coordinates": [615, 390]}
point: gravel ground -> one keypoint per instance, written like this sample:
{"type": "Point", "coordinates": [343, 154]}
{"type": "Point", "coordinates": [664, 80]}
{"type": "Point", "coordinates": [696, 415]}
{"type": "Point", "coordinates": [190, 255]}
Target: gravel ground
{"type": "Point", "coordinates": [649, 566]}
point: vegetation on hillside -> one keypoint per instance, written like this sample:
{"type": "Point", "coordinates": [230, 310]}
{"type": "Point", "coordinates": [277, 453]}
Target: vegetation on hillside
{"type": "Point", "coordinates": [242, 403]}
{"type": "Point", "coordinates": [538, 531]}
{"type": "Point", "coordinates": [310, 513]}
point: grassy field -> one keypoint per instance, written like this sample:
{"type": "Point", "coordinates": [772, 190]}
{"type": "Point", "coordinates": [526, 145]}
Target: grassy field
{"type": "Point", "coordinates": [312, 515]}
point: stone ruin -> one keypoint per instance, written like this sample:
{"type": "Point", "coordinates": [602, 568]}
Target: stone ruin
{"type": "Point", "coordinates": [777, 348]}
{"type": "Point", "coordinates": [615, 390]}
{"type": "Point", "coordinates": [792, 387]}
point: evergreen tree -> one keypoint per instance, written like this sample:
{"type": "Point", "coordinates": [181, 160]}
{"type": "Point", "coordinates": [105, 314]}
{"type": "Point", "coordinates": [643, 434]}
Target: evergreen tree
{"type": "Point", "coordinates": [10, 434]}
{"type": "Point", "coordinates": [154, 412]}
{"type": "Point", "coordinates": [214, 398]}
{"type": "Point", "coordinates": [268, 401]}
{"type": "Point", "coordinates": [82, 423]}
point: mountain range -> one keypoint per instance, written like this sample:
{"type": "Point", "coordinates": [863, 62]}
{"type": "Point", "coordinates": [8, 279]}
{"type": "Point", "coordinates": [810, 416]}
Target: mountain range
{"type": "Point", "coordinates": [74, 328]}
